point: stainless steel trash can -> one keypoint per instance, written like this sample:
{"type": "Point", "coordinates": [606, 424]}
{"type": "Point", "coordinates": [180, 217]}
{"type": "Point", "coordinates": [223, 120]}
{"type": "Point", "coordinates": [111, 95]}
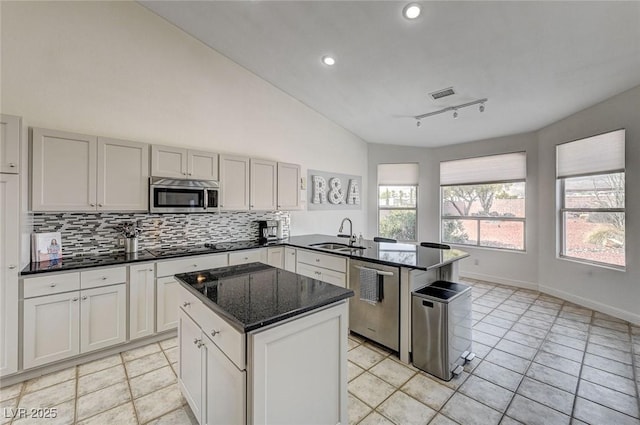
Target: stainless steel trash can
{"type": "Point", "coordinates": [441, 328]}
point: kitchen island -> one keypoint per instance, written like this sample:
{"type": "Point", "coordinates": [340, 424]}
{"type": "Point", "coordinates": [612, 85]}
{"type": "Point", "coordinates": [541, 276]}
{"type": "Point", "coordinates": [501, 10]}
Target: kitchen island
{"type": "Point", "coordinates": [262, 345]}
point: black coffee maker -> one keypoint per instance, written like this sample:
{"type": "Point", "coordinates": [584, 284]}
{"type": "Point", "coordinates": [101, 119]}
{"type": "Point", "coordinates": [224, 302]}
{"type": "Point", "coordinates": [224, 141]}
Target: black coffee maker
{"type": "Point", "coordinates": [268, 230]}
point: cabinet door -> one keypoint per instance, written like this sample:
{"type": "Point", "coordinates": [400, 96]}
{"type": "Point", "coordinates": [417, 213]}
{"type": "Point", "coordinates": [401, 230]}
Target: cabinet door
{"type": "Point", "coordinates": [103, 317]}
{"type": "Point", "coordinates": [142, 291]}
{"type": "Point", "coordinates": [64, 171]}
{"type": "Point", "coordinates": [10, 128]}
{"type": "Point", "coordinates": [234, 182]}
{"type": "Point", "coordinates": [190, 371]}
{"type": "Point", "coordinates": [166, 303]}
{"type": "Point", "coordinates": [225, 389]}
{"type": "Point", "coordinates": [168, 161]}
{"type": "Point", "coordinates": [51, 328]}
{"type": "Point", "coordinates": [9, 237]}
{"type": "Point", "coordinates": [275, 257]}
{"type": "Point", "coordinates": [290, 259]}
{"type": "Point", "coordinates": [263, 185]}
{"type": "Point", "coordinates": [247, 256]}
{"type": "Point", "coordinates": [123, 175]}
{"type": "Point", "coordinates": [202, 165]}
{"type": "Point", "coordinates": [288, 186]}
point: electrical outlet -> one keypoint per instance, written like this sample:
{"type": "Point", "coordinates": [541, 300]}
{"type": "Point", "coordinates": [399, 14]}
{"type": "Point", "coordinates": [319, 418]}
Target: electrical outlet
{"type": "Point", "coordinates": [120, 241]}
{"type": "Point", "coordinates": [476, 262]}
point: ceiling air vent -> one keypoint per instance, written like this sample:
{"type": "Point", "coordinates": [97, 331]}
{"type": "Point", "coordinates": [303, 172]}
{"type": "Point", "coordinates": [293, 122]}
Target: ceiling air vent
{"type": "Point", "coordinates": [442, 93]}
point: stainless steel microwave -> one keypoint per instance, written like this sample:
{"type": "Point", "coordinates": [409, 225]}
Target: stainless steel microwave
{"type": "Point", "coordinates": [183, 196]}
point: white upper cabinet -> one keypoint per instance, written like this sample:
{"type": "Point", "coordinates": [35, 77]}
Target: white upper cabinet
{"type": "Point", "coordinates": [181, 163]}
{"type": "Point", "coordinates": [263, 185]}
{"type": "Point", "coordinates": [63, 171]}
{"type": "Point", "coordinates": [288, 186]}
{"type": "Point", "coordinates": [123, 175]}
{"type": "Point", "coordinates": [234, 183]}
{"type": "Point", "coordinates": [76, 172]}
{"type": "Point", "coordinates": [10, 144]}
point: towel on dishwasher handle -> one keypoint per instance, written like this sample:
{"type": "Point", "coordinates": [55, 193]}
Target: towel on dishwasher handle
{"type": "Point", "coordinates": [369, 289]}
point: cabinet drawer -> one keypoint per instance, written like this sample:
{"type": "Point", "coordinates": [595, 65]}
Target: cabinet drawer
{"type": "Point", "coordinates": [188, 302]}
{"type": "Point", "coordinates": [244, 257]}
{"type": "Point", "coordinates": [325, 275]}
{"type": "Point", "coordinates": [226, 337]}
{"type": "Point", "coordinates": [332, 262]}
{"type": "Point", "coordinates": [103, 277]}
{"type": "Point", "coordinates": [191, 264]}
{"type": "Point", "coordinates": [50, 284]}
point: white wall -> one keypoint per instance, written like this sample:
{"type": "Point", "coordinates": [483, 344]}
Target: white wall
{"type": "Point", "coordinates": [116, 69]}
{"type": "Point", "coordinates": [611, 291]}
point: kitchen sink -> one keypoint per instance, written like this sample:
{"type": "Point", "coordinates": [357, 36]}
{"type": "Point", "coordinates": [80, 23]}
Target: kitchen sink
{"type": "Point", "coordinates": [340, 247]}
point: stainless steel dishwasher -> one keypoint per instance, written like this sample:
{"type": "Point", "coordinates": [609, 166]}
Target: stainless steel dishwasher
{"type": "Point", "coordinates": [377, 319]}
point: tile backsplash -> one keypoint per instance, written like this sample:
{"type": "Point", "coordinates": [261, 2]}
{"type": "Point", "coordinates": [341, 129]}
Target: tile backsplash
{"type": "Point", "coordinates": [93, 233]}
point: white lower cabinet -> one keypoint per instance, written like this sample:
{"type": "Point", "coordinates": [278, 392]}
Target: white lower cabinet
{"type": "Point", "coordinates": [325, 267]}
{"type": "Point", "coordinates": [142, 294]}
{"type": "Point", "coordinates": [64, 325]}
{"type": "Point", "coordinates": [167, 304]}
{"type": "Point", "coordinates": [275, 256]}
{"type": "Point", "coordinates": [51, 328]}
{"type": "Point", "coordinates": [290, 259]}
{"type": "Point", "coordinates": [247, 256]}
{"type": "Point", "coordinates": [103, 317]}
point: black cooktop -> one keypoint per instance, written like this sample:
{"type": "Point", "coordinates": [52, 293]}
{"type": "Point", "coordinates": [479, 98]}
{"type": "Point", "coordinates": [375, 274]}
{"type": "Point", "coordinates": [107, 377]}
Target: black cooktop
{"type": "Point", "coordinates": [251, 296]}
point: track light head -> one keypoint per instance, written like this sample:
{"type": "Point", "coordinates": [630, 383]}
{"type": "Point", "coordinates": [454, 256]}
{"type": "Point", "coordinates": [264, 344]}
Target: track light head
{"type": "Point", "coordinates": [418, 123]}
{"type": "Point", "coordinates": [455, 115]}
{"type": "Point", "coordinates": [481, 108]}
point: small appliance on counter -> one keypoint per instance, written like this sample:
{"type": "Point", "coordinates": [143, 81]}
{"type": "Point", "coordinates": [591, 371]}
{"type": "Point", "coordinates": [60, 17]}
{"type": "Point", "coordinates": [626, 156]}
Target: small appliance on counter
{"type": "Point", "coordinates": [268, 230]}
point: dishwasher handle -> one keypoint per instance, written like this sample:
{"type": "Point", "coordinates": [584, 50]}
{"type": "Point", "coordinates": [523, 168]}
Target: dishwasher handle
{"type": "Point", "coordinates": [378, 272]}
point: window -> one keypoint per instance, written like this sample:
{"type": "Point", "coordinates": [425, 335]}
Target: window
{"type": "Point", "coordinates": [483, 201]}
{"type": "Point", "coordinates": [398, 201]}
{"type": "Point", "coordinates": [592, 203]}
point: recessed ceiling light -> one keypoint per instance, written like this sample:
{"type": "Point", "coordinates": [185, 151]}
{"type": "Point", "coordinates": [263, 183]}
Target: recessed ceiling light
{"type": "Point", "coordinates": [411, 11]}
{"type": "Point", "coordinates": [328, 60]}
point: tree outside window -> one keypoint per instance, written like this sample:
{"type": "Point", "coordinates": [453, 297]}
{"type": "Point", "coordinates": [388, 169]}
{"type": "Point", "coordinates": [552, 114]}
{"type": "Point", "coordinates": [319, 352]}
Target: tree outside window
{"type": "Point", "coordinates": [397, 212]}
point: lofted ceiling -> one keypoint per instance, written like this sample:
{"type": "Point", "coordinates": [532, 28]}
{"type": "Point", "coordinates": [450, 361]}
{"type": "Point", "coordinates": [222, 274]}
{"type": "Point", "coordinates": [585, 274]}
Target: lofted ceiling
{"type": "Point", "coordinates": [536, 62]}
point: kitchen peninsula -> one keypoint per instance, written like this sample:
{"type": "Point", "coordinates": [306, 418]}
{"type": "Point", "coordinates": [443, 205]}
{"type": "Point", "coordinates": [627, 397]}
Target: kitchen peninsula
{"type": "Point", "coordinates": [253, 337]}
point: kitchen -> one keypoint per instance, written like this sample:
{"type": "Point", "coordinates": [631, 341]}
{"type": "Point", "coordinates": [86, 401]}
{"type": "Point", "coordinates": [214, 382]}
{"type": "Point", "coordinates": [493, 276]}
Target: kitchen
{"type": "Point", "coordinates": [58, 72]}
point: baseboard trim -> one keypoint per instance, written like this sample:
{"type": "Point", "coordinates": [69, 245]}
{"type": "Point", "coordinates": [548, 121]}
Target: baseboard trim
{"type": "Point", "coordinates": [594, 305]}
{"type": "Point", "coordinates": [511, 282]}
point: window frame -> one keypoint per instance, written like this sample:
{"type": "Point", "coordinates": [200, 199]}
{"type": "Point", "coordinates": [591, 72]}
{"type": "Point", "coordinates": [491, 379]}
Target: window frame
{"type": "Point", "coordinates": [478, 219]}
{"type": "Point", "coordinates": [562, 225]}
{"type": "Point", "coordinates": [383, 208]}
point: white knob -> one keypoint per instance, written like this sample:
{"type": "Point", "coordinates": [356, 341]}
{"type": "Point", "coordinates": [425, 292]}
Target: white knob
{"type": "Point", "coordinates": [53, 285]}
{"type": "Point", "coordinates": [186, 304]}
{"type": "Point", "coordinates": [74, 299]}
{"type": "Point", "coordinates": [317, 260]}
{"type": "Point", "coordinates": [92, 205]}
{"type": "Point", "coordinates": [195, 265]}
{"type": "Point", "coordinates": [150, 270]}
{"type": "Point", "coordinates": [12, 165]}
{"type": "Point", "coordinates": [190, 174]}
{"type": "Point", "coordinates": [99, 205]}
{"type": "Point", "coordinates": [84, 297]}
{"type": "Point", "coordinates": [104, 278]}
{"type": "Point", "coordinates": [12, 266]}
{"type": "Point", "coordinates": [246, 258]}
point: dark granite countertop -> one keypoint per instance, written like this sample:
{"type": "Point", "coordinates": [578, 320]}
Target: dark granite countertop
{"type": "Point", "coordinates": [255, 295]}
{"type": "Point", "coordinates": [393, 254]}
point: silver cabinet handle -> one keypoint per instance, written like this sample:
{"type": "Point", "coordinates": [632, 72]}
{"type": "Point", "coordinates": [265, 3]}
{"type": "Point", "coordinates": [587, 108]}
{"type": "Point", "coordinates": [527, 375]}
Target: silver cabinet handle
{"type": "Point", "coordinates": [74, 299]}
{"type": "Point", "coordinates": [195, 265]}
{"type": "Point", "coordinates": [99, 205]}
{"type": "Point", "coordinates": [246, 258]}
{"type": "Point", "coordinates": [104, 278]}
{"type": "Point", "coordinates": [196, 341]}
{"type": "Point", "coordinates": [317, 260]}
{"type": "Point", "coordinates": [53, 285]}
{"type": "Point", "coordinates": [150, 270]}
{"type": "Point", "coordinates": [200, 344]}
{"type": "Point", "coordinates": [214, 332]}
{"type": "Point", "coordinates": [12, 165]}
{"type": "Point", "coordinates": [92, 205]}
{"type": "Point", "coordinates": [186, 304]}
{"type": "Point", "coordinates": [12, 266]}
{"type": "Point", "coordinates": [190, 174]}
{"type": "Point", "coordinates": [84, 297]}
{"type": "Point", "coordinates": [318, 273]}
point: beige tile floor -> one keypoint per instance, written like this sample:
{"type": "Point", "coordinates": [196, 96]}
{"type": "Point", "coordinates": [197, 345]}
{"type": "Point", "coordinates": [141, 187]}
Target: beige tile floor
{"type": "Point", "coordinates": [540, 361]}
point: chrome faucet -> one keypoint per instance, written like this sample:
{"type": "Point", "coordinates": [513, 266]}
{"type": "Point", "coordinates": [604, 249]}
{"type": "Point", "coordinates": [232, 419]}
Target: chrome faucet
{"type": "Point", "coordinates": [351, 235]}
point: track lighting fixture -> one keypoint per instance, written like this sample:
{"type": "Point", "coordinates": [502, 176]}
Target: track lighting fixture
{"type": "Point", "coordinates": [418, 123]}
{"type": "Point", "coordinates": [454, 108]}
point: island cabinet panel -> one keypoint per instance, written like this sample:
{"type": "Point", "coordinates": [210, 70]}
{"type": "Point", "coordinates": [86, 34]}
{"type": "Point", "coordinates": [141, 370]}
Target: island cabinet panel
{"type": "Point", "coordinates": [226, 389]}
{"type": "Point", "coordinates": [290, 259]}
{"type": "Point", "coordinates": [142, 291]}
{"type": "Point", "coordinates": [190, 363]}
{"type": "Point", "coordinates": [286, 358]}
{"type": "Point", "coordinates": [103, 317]}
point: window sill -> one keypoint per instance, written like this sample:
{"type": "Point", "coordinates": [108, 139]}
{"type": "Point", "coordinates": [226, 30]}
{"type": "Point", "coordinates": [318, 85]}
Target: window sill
{"type": "Point", "coordinates": [612, 267]}
{"type": "Point", "coordinates": [487, 248]}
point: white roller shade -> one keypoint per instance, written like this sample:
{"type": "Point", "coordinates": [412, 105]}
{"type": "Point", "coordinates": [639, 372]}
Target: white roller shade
{"type": "Point", "coordinates": [398, 174]}
{"type": "Point", "coordinates": [599, 154]}
{"type": "Point", "coordinates": [484, 169]}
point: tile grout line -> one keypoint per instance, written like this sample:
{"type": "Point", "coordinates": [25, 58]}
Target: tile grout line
{"type": "Point", "coordinates": [126, 374]}
{"type": "Point", "coordinates": [584, 354]}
